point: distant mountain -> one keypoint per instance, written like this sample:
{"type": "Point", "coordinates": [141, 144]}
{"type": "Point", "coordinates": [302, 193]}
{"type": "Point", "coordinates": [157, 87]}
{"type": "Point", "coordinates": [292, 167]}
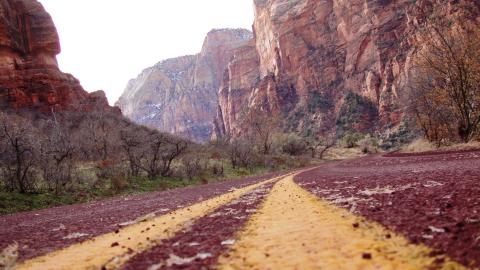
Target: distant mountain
{"type": "Point", "coordinates": [180, 95]}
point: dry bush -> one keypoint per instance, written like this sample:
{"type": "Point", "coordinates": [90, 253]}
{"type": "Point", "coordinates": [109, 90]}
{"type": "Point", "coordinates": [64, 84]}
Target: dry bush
{"type": "Point", "coordinates": [368, 145]}
{"type": "Point", "coordinates": [9, 257]}
{"type": "Point", "coordinates": [132, 141]}
{"type": "Point", "coordinates": [241, 153]}
{"type": "Point", "coordinates": [260, 130]}
{"type": "Point", "coordinates": [294, 145]}
{"type": "Point", "coordinates": [119, 182]}
{"type": "Point", "coordinates": [19, 151]}
{"type": "Point", "coordinates": [419, 145]}
{"type": "Point", "coordinates": [160, 151]}
{"type": "Point", "coordinates": [56, 156]}
{"type": "Point", "coordinates": [193, 166]}
{"type": "Point", "coordinates": [318, 146]}
{"type": "Point", "coordinates": [218, 169]}
{"type": "Point", "coordinates": [423, 145]}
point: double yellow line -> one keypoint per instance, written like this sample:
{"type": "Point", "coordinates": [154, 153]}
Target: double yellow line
{"type": "Point", "coordinates": [113, 249]}
{"type": "Point", "coordinates": [292, 229]}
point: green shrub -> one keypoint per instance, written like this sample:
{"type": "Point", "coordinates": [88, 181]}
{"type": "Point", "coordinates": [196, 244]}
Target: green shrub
{"type": "Point", "coordinates": [294, 145]}
{"type": "Point", "coordinates": [350, 140]}
{"type": "Point", "coordinates": [356, 115]}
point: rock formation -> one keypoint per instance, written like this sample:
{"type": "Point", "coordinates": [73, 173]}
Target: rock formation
{"type": "Point", "coordinates": [180, 95]}
{"type": "Point", "coordinates": [29, 73]}
{"type": "Point", "coordinates": [310, 57]}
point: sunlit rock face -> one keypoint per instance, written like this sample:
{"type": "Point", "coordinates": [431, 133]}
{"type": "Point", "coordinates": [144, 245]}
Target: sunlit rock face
{"type": "Point", "coordinates": [179, 95]}
{"type": "Point", "coordinates": [309, 55]}
{"type": "Point", "coordinates": [29, 74]}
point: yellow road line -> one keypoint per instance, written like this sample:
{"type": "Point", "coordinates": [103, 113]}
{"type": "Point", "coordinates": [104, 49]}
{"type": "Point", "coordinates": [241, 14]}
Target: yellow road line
{"type": "Point", "coordinates": [113, 249]}
{"type": "Point", "coordinates": [294, 229]}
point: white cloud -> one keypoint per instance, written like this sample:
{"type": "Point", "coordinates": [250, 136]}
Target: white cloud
{"type": "Point", "coordinates": [107, 42]}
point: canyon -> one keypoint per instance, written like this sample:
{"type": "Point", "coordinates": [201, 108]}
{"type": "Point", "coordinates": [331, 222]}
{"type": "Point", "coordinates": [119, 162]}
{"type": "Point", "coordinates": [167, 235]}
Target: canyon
{"type": "Point", "coordinates": [179, 95]}
{"type": "Point", "coordinates": [330, 66]}
{"type": "Point", "coordinates": [325, 67]}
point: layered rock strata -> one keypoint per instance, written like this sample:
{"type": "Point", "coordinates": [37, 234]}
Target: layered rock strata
{"type": "Point", "coordinates": [179, 95]}
{"type": "Point", "coordinates": [308, 56]}
{"type": "Point", "coordinates": [29, 74]}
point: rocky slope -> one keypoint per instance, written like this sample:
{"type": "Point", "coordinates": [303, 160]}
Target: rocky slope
{"type": "Point", "coordinates": [29, 74]}
{"type": "Point", "coordinates": [180, 95]}
{"type": "Point", "coordinates": [333, 64]}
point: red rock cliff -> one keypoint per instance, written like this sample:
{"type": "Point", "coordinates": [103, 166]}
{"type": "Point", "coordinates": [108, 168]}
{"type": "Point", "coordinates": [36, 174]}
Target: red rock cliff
{"type": "Point", "coordinates": [179, 95]}
{"type": "Point", "coordinates": [310, 57]}
{"type": "Point", "coordinates": [29, 73]}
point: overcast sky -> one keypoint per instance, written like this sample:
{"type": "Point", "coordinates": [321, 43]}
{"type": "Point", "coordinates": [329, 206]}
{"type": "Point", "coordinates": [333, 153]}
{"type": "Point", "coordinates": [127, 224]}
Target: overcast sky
{"type": "Point", "coordinates": [105, 43]}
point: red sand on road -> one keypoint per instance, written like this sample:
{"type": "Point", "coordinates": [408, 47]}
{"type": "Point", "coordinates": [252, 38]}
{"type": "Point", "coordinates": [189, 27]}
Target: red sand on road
{"type": "Point", "coordinates": [44, 231]}
{"type": "Point", "coordinates": [431, 198]}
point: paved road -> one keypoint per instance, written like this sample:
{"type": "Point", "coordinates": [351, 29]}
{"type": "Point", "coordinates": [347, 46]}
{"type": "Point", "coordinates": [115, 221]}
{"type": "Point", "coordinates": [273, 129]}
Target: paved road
{"type": "Point", "coordinates": [379, 212]}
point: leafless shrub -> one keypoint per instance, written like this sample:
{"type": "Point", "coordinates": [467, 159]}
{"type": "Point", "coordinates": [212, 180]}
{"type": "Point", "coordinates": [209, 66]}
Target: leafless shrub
{"type": "Point", "coordinates": [119, 182]}
{"type": "Point", "coordinates": [368, 145]}
{"type": "Point", "coordinates": [9, 257]}
{"type": "Point", "coordinates": [19, 150]}
{"type": "Point", "coordinates": [241, 153]}
{"type": "Point", "coordinates": [193, 166]}
{"type": "Point", "coordinates": [160, 152]}
{"type": "Point", "coordinates": [132, 140]}
{"type": "Point", "coordinates": [218, 169]}
{"type": "Point", "coordinates": [260, 130]}
{"type": "Point", "coordinates": [56, 156]}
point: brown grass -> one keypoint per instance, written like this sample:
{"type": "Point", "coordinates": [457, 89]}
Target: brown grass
{"type": "Point", "coordinates": [342, 153]}
{"type": "Point", "coordinates": [422, 145]}
{"type": "Point", "coordinates": [8, 257]}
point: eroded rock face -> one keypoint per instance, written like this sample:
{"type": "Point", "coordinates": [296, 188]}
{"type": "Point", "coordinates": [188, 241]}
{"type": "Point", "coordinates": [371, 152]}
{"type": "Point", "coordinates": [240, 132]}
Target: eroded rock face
{"type": "Point", "coordinates": [29, 73]}
{"type": "Point", "coordinates": [179, 95]}
{"type": "Point", "coordinates": [314, 53]}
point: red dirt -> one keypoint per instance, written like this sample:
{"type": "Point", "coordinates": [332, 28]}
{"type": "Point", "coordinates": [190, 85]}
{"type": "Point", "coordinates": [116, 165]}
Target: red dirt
{"type": "Point", "coordinates": [436, 199]}
{"type": "Point", "coordinates": [205, 236]}
{"type": "Point", "coordinates": [43, 231]}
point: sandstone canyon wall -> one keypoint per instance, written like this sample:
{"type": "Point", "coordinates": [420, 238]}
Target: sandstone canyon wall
{"type": "Point", "coordinates": [314, 60]}
{"type": "Point", "coordinates": [179, 95]}
{"type": "Point", "coordinates": [29, 75]}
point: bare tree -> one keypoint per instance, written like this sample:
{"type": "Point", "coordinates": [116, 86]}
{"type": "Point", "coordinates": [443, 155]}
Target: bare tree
{"type": "Point", "coordinates": [241, 153]}
{"type": "Point", "coordinates": [446, 86]}
{"type": "Point", "coordinates": [261, 129]}
{"type": "Point", "coordinates": [19, 152]}
{"type": "Point", "coordinates": [159, 154]}
{"type": "Point", "coordinates": [319, 145]}
{"type": "Point", "coordinates": [193, 165]}
{"type": "Point", "coordinates": [131, 140]}
{"type": "Point", "coordinates": [57, 152]}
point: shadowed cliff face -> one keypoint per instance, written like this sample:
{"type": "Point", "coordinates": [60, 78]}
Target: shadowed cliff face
{"type": "Point", "coordinates": [180, 95]}
{"type": "Point", "coordinates": [29, 73]}
{"type": "Point", "coordinates": [308, 55]}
